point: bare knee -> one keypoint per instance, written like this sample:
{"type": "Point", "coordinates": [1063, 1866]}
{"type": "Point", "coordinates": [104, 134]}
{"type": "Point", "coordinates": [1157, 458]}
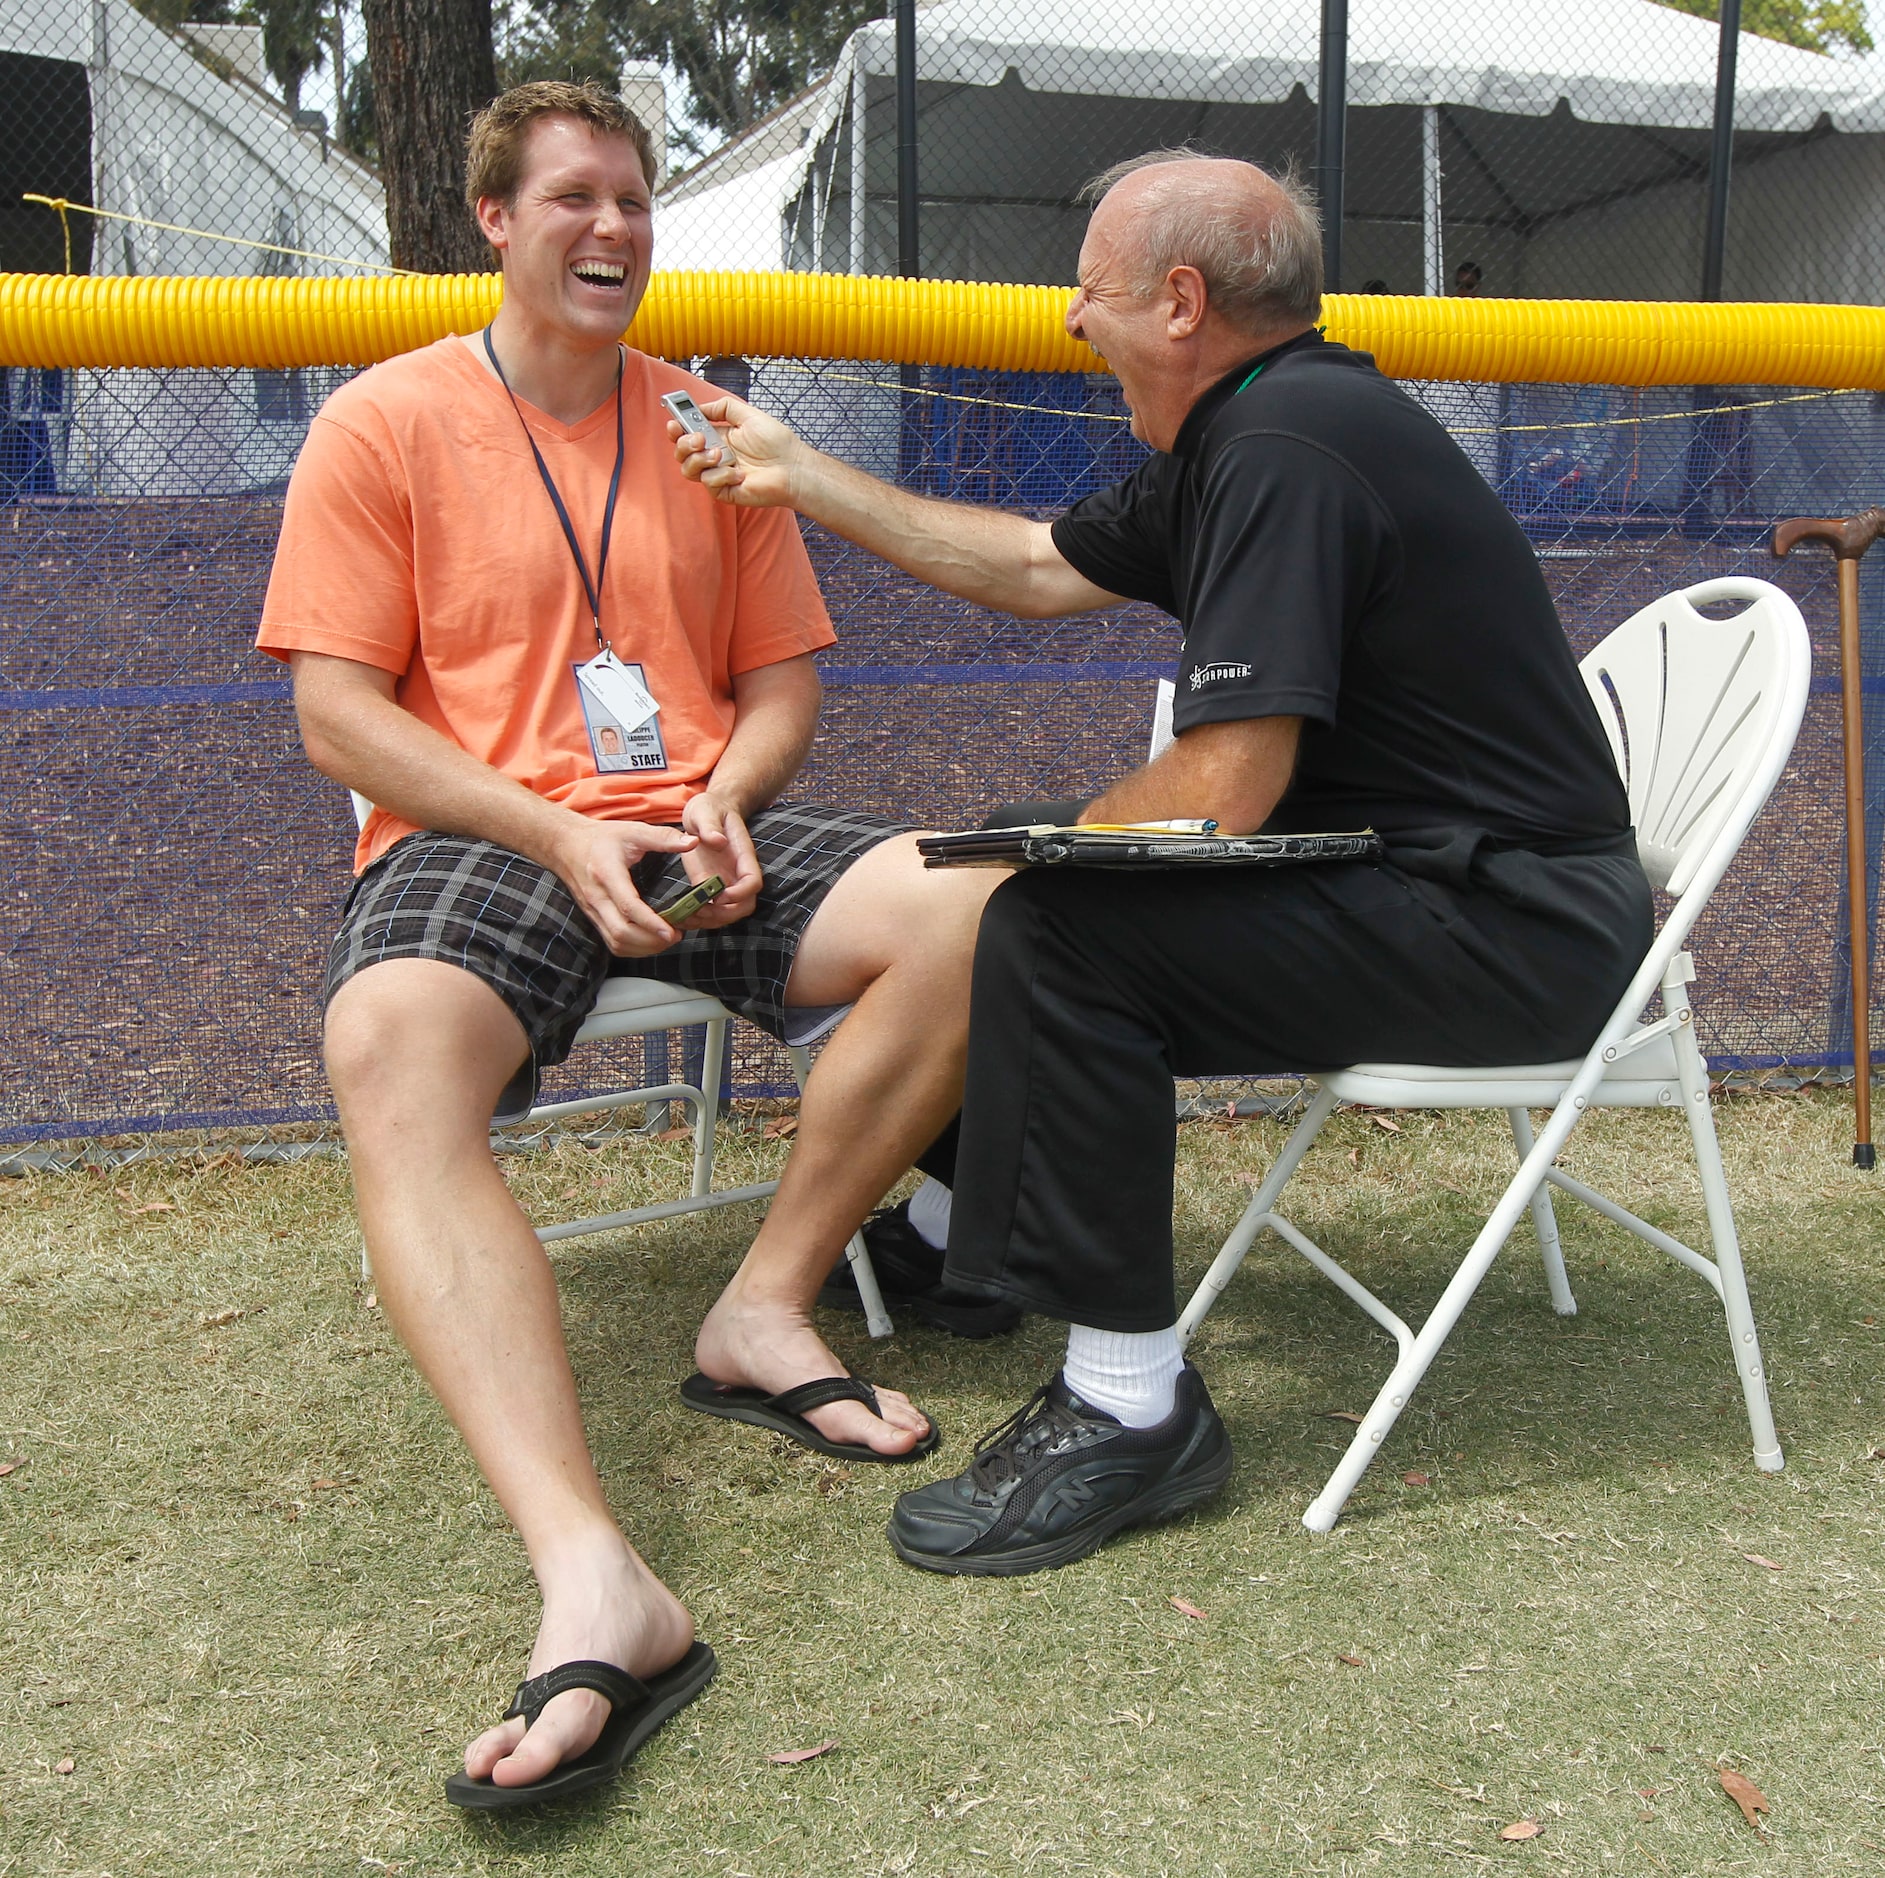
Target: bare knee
{"type": "Point", "coordinates": [419, 1031]}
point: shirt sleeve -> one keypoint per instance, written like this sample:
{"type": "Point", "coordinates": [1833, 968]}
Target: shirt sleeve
{"type": "Point", "coordinates": [1292, 545]}
{"type": "Point", "coordinates": [342, 581]}
{"type": "Point", "coordinates": [1120, 538]}
{"type": "Point", "coordinates": [780, 614]}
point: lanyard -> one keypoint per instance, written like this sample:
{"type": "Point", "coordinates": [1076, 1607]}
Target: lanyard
{"type": "Point", "coordinates": [592, 588]}
{"type": "Point", "coordinates": [1252, 379]}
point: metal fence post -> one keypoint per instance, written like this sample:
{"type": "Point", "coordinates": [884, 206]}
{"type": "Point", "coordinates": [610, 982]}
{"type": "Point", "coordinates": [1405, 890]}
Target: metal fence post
{"type": "Point", "coordinates": [909, 264]}
{"type": "Point", "coordinates": [1331, 129]}
{"type": "Point", "coordinates": [1721, 154]}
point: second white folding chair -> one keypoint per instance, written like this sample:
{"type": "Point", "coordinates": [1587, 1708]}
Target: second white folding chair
{"type": "Point", "coordinates": [1701, 714]}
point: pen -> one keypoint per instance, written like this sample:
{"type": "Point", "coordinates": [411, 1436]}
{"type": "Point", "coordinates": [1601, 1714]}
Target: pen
{"type": "Point", "coordinates": [1180, 827]}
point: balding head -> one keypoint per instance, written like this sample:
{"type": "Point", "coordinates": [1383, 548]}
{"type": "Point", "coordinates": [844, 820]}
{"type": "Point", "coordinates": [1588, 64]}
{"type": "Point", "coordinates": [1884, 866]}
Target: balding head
{"type": "Point", "coordinates": [1253, 237]}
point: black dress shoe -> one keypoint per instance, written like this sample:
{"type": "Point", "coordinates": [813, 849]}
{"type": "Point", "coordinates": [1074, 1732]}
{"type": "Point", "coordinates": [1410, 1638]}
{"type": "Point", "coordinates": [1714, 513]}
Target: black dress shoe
{"type": "Point", "coordinates": [1057, 1479]}
{"type": "Point", "coordinates": [910, 1275]}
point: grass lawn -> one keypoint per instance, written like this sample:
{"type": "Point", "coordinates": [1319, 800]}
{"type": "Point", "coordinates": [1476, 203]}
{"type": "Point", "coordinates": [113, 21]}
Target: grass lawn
{"type": "Point", "coordinates": [254, 1600]}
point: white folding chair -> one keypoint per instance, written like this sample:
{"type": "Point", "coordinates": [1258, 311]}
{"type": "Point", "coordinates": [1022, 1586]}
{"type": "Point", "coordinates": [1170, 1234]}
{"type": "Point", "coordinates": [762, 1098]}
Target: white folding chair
{"type": "Point", "coordinates": [639, 1007]}
{"type": "Point", "coordinates": [1701, 715]}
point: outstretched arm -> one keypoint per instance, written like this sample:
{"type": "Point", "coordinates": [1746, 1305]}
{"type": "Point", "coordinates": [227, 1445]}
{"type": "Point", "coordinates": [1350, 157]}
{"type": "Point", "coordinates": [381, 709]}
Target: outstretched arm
{"type": "Point", "coordinates": [985, 555]}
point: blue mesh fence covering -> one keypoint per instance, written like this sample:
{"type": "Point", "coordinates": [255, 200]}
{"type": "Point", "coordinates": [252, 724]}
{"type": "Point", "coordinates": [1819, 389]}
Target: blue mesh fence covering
{"type": "Point", "coordinates": [173, 866]}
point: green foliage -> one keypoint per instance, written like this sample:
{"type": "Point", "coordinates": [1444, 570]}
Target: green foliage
{"type": "Point", "coordinates": [1815, 25]}
{"type": "Point", "coordinates": [292, 36]}
{"type": "Point", "coordinates": [739, 59]}
{"type": "Point", "coordinates": [175, 13]}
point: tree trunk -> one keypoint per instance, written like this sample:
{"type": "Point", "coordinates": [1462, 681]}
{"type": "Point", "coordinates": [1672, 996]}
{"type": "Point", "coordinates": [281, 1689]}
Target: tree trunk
{"type": "Point", "coordinates": [432, 67]}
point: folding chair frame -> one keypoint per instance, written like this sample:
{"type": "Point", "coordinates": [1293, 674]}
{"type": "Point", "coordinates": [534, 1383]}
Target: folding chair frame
{"type": "Point", "coordinates": [1688, 846]}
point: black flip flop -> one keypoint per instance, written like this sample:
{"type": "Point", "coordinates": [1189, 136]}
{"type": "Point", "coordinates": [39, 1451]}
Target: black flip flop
{"type": "Point", "coordinates": [637, 1709]}
{"type": "Point", "coordinates": [785, 1413]}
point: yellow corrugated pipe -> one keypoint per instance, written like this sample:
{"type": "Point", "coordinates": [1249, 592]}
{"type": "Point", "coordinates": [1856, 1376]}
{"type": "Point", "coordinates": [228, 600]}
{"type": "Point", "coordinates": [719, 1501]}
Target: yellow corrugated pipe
{"type": "Point", "coordinates": [61, 320]}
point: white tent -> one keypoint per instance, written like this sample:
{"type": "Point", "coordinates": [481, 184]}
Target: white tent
{"type": "Point", "coordinates": [172, 141]}
{"type": "Point", "coordinates": [107, 108]}
{"type": "Point", "coordinates": [1563, 148]}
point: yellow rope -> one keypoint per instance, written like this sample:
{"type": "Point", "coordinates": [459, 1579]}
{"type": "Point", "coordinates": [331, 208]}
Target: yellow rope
{"type": "Point", "coordinates": [202, 234]}
{"type": "Point", "coordinates": [1455, 430]}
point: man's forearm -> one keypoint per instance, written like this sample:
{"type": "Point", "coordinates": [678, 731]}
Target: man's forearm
{"type": "Point", "coordinates": [367, 742]}
{"type": "Point", "coordinates": [775, 719]}
{"type": "Point", "coordinates": [983, 555]}
{"type": "Point", "coordinates": [1233, 773]}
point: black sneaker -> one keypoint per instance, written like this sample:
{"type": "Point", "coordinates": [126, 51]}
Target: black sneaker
{"type": "Point", "coordinates": [910, 1275]}
{"type": "Point", "coordinates": [1058, 1478]}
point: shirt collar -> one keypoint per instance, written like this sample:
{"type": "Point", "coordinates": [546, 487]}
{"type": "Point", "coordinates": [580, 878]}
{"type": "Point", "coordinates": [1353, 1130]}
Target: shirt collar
{"type": "Point", "coordinates": [1234, 381]}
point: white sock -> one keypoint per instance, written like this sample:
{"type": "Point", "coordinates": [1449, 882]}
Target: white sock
{"type": "Point", "coordinates": [1130, 1374]}
{"type": "Point", "coordinates": [929, 1213]}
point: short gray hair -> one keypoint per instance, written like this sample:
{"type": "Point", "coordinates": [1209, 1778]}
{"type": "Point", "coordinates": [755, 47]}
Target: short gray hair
{"type": "Point", "coordinates": [1261, 263]}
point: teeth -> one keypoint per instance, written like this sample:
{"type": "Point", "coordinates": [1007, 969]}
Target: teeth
{"type": "Point", "coordinates": [603, 273]}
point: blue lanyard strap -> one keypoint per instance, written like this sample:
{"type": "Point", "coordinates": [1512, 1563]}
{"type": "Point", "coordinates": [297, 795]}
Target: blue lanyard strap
{"type": "Point", "coordinates": [591, 588]}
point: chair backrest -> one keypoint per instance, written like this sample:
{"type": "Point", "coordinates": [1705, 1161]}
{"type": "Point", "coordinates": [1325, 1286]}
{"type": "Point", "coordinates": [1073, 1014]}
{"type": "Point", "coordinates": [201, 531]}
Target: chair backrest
{"type": "Point", "coordinates": [1701, 714]}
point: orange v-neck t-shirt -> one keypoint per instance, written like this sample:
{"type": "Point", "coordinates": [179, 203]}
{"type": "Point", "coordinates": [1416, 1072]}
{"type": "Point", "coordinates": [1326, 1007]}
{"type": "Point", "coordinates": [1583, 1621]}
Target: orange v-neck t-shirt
{"type": "Point", "coordinates": [417, 537]}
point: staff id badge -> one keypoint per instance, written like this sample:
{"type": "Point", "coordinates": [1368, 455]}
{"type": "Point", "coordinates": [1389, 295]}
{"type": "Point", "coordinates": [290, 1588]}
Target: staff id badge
{"type": "Point", "coordinates": [621, 716]}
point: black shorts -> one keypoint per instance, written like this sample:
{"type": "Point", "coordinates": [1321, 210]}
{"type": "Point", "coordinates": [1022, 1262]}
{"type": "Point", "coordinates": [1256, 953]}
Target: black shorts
{"type": "Point", "coordinates": [512, 923]}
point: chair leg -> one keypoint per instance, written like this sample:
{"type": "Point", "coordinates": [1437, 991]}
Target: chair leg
{"type": "Point", "coordinates": [1544, 1223]}
{"type": "Point", "coordinates": [1417, 1358]}
{"type": "Point", "coordinates": [1255, 1215]}
{"type": "Point", "coordinates": [864, 1274]}
{"type": "Point", "coordinates": [1725, 1243]}
{"type": "Point", "coordinates": [713, 1058]}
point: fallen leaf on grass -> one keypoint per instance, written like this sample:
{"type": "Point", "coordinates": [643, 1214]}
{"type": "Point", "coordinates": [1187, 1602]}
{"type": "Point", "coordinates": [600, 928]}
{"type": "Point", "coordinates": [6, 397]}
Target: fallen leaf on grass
{"type": "Point", "coordinates": [1746, 1795]}
{"type": "Point", "coordinates": [790, 1757]}
{"type": "Point", "coordinates": [1382, 1121]}
{"type": "Point", "coordinates": [1877, 1454]}
{"type": "Point", "coordinates": [1354, 1157]}
{"type": "Point", "coordinates": [1647, 1793]}
{"type": "Point", "coordinates": [1354, 1662]}
{"type": "Point", "coordinates": [1521, 1829]}
{"type": "Point", "coordinates": [322, 1485]}
{"type": "Point", "coordinates": [217, 1319]}
{"type": "Point", "coordinates": [780, 1127]}
{"type": "Point", "coordinates": [1416, 1480]}
{"type": "Point", "coordinates": [156, 1206]}
{"type": "Point", "coordinates": [1186, 1609]}
{"type": "Point", "coordinates": [682, 1133]}
{"type": "Point", "coordinates": [11, 1467]}
{"type": "Point", "coordinates": [67, 1766]}
{"type": "Point", "coordinates": [1766, 1564]}
{"type": "Point", "coordinates": [1342, 1415]}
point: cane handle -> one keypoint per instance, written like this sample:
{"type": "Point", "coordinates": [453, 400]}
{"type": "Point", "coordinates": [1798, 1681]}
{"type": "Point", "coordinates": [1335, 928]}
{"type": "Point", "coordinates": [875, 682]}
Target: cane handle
{"type": "Point", "coordinates": [1848, 536]}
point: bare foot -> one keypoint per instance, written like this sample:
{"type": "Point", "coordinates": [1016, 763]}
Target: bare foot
{"type": "Point", "coordinates": [601, 1603]}
{"type": "Point", "coordinates": [771, 1345]}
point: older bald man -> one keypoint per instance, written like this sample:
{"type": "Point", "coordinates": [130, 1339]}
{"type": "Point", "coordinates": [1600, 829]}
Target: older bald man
{"type": "Point", "coordinates": [1368, 642]}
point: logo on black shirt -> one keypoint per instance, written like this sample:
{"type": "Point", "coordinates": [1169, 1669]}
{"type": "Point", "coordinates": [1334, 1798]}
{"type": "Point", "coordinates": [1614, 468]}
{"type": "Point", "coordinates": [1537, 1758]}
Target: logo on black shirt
{"type": "Point", "coordinates": [1217, 670]}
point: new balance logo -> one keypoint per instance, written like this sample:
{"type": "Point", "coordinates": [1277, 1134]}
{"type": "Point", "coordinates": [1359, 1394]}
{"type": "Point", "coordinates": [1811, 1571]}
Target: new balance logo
{"type": "Point", "coordinates": [1216, 673]}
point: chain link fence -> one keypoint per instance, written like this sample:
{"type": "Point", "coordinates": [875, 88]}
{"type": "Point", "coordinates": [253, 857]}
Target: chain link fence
{"type": "Point", "coordinates": [174, 867]}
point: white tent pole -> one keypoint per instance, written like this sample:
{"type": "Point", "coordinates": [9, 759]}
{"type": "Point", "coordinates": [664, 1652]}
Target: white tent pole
{"type": "Point", "coordinates": [1433, 252]}
{"type": "Point", "coordinates": [859, 152]}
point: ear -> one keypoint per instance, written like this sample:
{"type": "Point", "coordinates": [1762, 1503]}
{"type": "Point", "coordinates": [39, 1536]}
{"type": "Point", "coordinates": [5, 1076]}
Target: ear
{"type": "Point", "coordinates": [494, 222]}
{"type": "Point", "coordinates": [1186, 301]}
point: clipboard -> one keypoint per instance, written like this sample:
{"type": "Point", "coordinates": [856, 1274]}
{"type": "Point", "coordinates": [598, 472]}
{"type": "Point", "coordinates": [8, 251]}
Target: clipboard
{"type": "Point", "coordinates": [1135, 848]}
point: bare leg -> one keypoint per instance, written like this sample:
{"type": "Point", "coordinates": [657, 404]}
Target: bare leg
{"type": "Point", "coordinates": [417, 1052]}
{"type": "Point", "coordinates": [899, 941]}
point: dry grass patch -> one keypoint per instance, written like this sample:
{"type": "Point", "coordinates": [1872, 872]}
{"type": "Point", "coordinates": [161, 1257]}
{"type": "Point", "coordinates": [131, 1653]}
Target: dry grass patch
{"type": "Point", "coordinates": [254, 1596]}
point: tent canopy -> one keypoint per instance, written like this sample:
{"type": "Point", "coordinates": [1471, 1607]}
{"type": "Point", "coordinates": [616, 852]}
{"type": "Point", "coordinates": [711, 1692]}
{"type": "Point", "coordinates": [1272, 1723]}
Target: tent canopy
{"type": "Point", "coordinates": [1535, 126]}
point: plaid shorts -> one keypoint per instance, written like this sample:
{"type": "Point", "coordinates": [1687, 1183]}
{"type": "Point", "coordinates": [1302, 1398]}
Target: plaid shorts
{"type": "Point", "coordinates": [513, 924]}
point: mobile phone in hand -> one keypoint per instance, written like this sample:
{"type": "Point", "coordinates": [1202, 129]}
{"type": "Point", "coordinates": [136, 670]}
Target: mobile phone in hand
{"type": "Point", "coordinates": [684, 905]}
{"type": "Point", "coordinates": [691, 417]}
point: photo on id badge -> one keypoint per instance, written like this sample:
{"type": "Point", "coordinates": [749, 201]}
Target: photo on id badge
{"type": "Point", "coordinates": [615, 745]}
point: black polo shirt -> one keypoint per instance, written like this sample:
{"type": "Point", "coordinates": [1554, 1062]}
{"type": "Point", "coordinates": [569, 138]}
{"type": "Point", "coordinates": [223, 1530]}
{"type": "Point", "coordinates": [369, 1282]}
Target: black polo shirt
{"type": "Point", "coordinates": [1333, 555]}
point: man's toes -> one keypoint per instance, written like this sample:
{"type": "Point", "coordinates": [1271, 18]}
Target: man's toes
{"type": "Point", "coordinates": [491, 1747]}
{"type": "Point", "coordinates": [896, 1431]}
{"type": "Point", "coordinates": [564, 1730]}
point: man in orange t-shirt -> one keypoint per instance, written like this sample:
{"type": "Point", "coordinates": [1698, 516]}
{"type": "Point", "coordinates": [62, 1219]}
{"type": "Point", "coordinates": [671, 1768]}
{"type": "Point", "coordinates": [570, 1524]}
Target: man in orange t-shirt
{"type": "Point", "coordinates": [571, 683]}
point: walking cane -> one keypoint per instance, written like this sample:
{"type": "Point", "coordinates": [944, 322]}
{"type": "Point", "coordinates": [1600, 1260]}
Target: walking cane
{"type": "Point", "coordinates": [1849, 538]}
